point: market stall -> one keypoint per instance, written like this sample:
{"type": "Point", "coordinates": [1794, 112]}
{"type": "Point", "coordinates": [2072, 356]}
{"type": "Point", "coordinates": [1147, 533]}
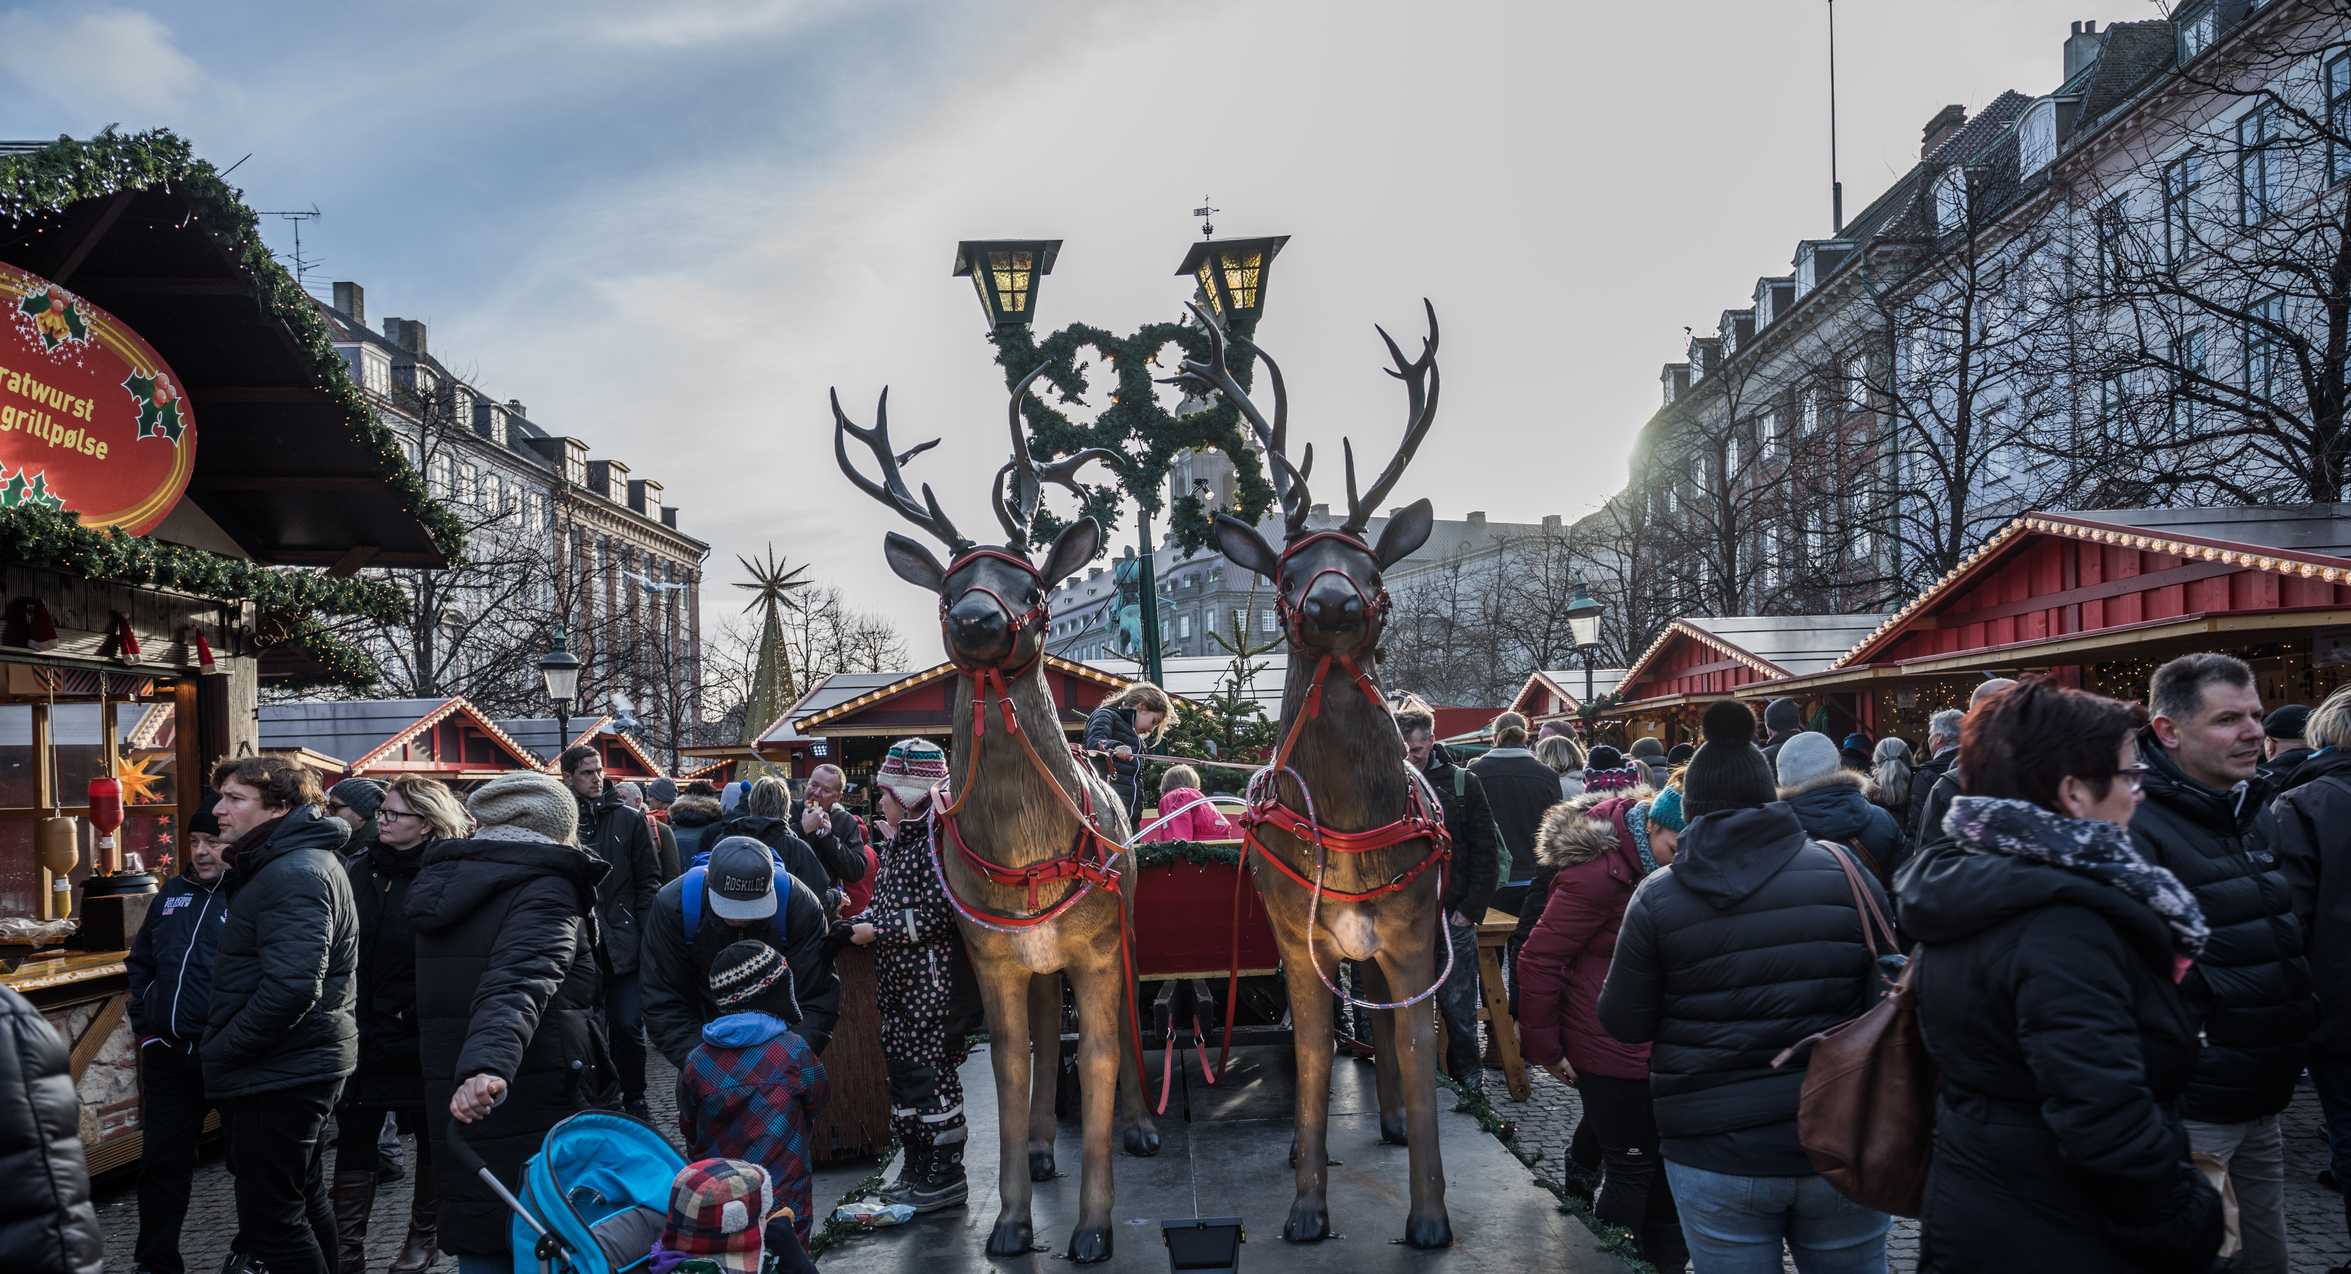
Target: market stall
{"type": "Point", "coordinates": [144, 602]}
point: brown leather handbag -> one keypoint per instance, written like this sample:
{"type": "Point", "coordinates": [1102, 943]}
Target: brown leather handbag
{"type": "Point", "coordinates": [1867, 1116]}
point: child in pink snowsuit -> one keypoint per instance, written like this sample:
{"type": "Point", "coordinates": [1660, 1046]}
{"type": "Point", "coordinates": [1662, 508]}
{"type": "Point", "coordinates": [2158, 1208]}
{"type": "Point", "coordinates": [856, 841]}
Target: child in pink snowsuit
{"type": "Point", "coordinates": [1179, 787]}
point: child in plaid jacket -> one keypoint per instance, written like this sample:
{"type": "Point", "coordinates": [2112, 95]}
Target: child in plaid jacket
{"type": "Point", "coordinates": [750, 1088]}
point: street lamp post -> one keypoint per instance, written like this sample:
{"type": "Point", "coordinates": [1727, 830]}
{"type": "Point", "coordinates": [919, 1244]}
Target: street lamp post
{"type": "Point", "coordinates": [561, 670]}
{"type": "Point", "coordinates": [1232, 276]}
{"type": "Point", "coordinates": [1583, 624]}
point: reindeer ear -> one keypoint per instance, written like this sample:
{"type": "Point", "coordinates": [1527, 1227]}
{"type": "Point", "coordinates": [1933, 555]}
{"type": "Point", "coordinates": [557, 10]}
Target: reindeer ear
{"type": "Point", "coordinates": [913, 562]}
{"type": "Point", "coordinates": [1244, 547]}
{"type": "Point", "coordinates": [1406, 531]}
{"type": "Point", "coordinates": [1075, 547]}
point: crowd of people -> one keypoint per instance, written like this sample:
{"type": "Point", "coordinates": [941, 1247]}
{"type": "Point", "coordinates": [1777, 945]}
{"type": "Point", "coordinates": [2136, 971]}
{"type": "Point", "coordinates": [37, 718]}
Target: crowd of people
{"type": "Point", "coordinates": [2115, 922]}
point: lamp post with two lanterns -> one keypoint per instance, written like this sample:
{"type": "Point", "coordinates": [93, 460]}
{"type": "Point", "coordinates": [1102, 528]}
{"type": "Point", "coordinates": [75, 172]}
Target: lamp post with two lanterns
{"type": "Point", "coordinates": [1231, 276]}
{"type": "Point", "coordinates": [561, 670]}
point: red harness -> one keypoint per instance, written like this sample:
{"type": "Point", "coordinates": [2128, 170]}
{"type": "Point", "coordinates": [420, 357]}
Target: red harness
{"type": "Point", "coordinates": [1090, 862]}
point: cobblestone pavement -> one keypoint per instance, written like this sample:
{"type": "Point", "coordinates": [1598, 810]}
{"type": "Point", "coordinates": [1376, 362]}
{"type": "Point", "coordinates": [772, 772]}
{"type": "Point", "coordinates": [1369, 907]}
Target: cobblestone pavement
{"type": "Point", "coordinates": [2314, 1214]}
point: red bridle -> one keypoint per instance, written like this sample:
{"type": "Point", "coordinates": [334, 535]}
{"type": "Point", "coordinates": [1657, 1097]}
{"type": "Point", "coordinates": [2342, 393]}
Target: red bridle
{"type": "Point", "coordinates": [1038, 615]}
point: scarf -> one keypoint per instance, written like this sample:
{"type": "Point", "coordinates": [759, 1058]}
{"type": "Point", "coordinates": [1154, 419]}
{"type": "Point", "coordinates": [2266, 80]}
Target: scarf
{"type": "Point", "coordinates": [2087, 847]}
{"type": "Point", "coordinates": [1636, 821]}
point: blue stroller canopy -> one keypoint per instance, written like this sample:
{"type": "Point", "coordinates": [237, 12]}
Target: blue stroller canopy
{"type": "Point", "coordinates": [601, 1182]}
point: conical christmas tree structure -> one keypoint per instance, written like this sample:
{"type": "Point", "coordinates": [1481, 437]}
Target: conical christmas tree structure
{"type": "Point", "coordinates": [772, 688]}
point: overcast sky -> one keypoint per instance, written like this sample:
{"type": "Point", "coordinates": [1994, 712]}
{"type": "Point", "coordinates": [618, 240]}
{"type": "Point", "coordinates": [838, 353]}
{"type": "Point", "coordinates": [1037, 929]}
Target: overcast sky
{"type": "Point", "coordinates": [669, 228]}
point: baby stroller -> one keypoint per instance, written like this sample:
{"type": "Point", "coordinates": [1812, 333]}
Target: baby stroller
{"type": "Point", "coordinates": [594, 1198]}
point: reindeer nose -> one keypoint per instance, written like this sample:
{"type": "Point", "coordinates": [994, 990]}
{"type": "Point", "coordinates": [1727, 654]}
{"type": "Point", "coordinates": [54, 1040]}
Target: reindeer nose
{"type": "Point", "coordinates": [979, 629]}
{"type": "Point", "coordinates": [1333, 607]}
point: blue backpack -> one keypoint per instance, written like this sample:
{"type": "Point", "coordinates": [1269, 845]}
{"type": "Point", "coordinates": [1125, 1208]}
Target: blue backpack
{"type": "Point", "coordinates": [690, 893]}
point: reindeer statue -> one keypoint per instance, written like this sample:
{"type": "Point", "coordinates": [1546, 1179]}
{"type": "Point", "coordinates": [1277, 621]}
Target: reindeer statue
{"type": "Point", "coordinates": [1347, 846]}
{"type": "Point", "coordinates": [1029, 846]}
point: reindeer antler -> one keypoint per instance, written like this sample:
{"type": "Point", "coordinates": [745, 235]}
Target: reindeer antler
{"type": "Point", "coordinates": [1420, 382]}
{"type": "Point", "coordinates": [891, 490]}
{"type": "Point", "coordinates": [1017, 510]}
{"type": "Point", "coordinates": [1289, 481]}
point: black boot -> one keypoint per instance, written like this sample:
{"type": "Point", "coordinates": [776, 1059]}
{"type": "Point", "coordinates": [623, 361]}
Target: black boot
{"type": "Point", "coordinates": [942, 1184]}
{"type": "Point", "coordinates": [912, 1168]}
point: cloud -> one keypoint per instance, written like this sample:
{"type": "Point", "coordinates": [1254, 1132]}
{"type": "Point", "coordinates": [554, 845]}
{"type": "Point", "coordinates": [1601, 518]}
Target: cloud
{"type": "Point", "coordinates": [118, 62]}
{"type": "Point", "coordinates": [690, 25]}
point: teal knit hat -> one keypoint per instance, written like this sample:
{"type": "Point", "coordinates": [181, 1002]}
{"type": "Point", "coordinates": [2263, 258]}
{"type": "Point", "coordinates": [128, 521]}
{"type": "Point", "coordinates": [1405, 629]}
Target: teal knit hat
{"type": "Point", "coordinates": [1666, 810]}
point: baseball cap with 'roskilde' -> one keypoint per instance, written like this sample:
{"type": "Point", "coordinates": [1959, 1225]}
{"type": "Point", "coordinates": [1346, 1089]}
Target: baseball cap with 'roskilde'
{"type": "Point", "coordinates": [742, 880]}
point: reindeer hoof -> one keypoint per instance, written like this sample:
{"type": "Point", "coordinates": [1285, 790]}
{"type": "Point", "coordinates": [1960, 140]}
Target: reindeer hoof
{"type": "Point", "coordinates": [1392, 1130]}
{"type": "Point", "coordinates": [1041, 1165]}
{"type": "Point", "coordinates": [1142, 1141]}
{"type": "Point", "coordinates": [1434, 1230]}
{"type": "Point", "coordinates": [1310, 1222]}
{"type": "Point", "coordinates": [1089, 1244]}
{"type": "Point", "coordinates": [1012, 1238]}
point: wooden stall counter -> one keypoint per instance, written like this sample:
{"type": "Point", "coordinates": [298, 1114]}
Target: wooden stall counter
{"type": "Point", "coordinates": [87, 997]}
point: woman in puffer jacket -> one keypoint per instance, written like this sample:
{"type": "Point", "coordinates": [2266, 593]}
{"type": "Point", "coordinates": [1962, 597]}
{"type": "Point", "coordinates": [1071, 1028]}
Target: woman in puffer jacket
{"type": "Point", "coordinates": [1598, 847]}
{"type": "Point", "coordinates": [2047, 968]}
{"type": "Point", "coordinates": [1829, 801]}
{"type": "Point", "coordinates": [47, 1225]}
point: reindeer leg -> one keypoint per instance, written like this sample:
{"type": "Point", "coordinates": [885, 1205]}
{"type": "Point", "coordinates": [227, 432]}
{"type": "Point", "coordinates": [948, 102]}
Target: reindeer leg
{"type": "Point", "coordinates": [1045, 1044]}
{"type": "Point", "coordinates": [1310, 1032]}
{"type": "Point", "coordinates": [1004, 988]}
{"type": "Point", "coordinates": [1409, 962]}
{"type": "Point", "coordinates": [1141, 1136]}
{"type": "Point", "coordinates": [1099, 1027]}
{"type": "Point", "coordinates": [1383, 1037]}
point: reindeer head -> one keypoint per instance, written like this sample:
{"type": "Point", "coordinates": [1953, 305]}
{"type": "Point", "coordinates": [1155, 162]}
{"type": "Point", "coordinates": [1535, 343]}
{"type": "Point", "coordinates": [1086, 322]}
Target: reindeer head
{"type": "Point", "coordinates": [991, 599]}
{"type": "Point", "coordinates": [1326, 583]}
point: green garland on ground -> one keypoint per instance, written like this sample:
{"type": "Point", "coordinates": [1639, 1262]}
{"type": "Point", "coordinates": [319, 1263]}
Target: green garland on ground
{"type": "Point", "coordinates": [835, 1231]}
{"type": "Point", "coordinates": [43, 182]}
{"type": "Point", "coordinates": [42, 536]}
{"type": "Point", "coordinates": [1613, 1239]}
{"type": "Point", "coordinates": [1163, 853]}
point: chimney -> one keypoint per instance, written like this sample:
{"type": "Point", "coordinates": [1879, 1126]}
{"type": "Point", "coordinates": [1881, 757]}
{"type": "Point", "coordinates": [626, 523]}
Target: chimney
{"type": "Point", "coordinates": [1320, 511]}
{"type": "Point", "coordinates": [1478, 518]}
{"type": "Point", "coordinates": [669, 516]}
{"type": "Point", "coordinates": [2082, 48]}
{"type": "Point", "coordinates": [1940, 129]}
{"type": "Point", "coordinates": [1550, 521]}
{"type": "Point", "coordinates": [514, 407]}
{"type": "Point", "coordinates": [408, 334]}
{"type": "Point", "coordinates": [351, 299]}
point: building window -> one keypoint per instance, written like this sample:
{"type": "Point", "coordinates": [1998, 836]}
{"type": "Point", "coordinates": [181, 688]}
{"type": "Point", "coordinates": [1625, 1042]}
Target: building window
{"type": "Point", "coordinates": [1184, 626]}
{"type": "Point", "coordinates": [1265, 622]}
{"type": "Point", "coordinates": [2037, 139]}
{"type": "Point", "coordinates": [1768, 431]}
{"type": "Point", "coordinates": [1950, 199]}
{"type": "Point", "coordinates": [467, 477]}
{"type": "Point", "coordinates": [440, 476]}
{"type": "Point", "coordinates": [2263, 349]}
{"type": "Point", "coordinates": [2338, 81]}
{"type": "Point", "coordinates": [2196, 32]}
{"type": "Point", "coordinates": [2108, 223]}
{"type": "Point", "coordinates": [2187, 357]}
{"type": "Point", "coordinates": [2183, 187]}
{"type": "Point", "coordinates": [2258, 162]}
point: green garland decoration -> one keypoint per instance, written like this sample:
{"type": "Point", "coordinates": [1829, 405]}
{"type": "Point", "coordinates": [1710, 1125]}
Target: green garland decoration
{"type": "Point", "coordinates": [341, 664]}
{"type": "Point", "coordinates": [41, 536]}
{"type": "Point", "coordinates": [43, 182]}
{"type": "Point", "coordinates": [1146, 437]}
{"type": "Point", "coordinates": [1164, 853]}
{"type": "Point", "coordinates": [835, 1231]}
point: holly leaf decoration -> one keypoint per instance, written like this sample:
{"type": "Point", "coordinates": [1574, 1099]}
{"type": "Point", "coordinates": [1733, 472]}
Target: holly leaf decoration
{"type": "Point", "coordinates": [23, 491]}
{"type": "Point", "coordinates": [55, 317]}
{"type": "Point", "coordinates": [159, 412]}
{"type": "Point", "coordinates": [38, 492]}
{"type": "Point", "coordinates": [13, 493]}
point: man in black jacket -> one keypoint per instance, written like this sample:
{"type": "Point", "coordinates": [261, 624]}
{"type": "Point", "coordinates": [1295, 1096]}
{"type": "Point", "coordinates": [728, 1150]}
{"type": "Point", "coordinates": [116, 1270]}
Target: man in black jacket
{"type": "Point", "coordinates": [1469, 884]}
{"type": "Point", "coordinates": [2313, 816]}
{"type": "Point", "coordinates": [280, 1037]}
{"type": "Point", "coordinates": [832, 829]}
{"type": "Point", "coordinates": [765, 816]}
{"type": "Point", "coordinates": [1942, 752]}
{"type": "Point", "coordinates": [1518, 789]}
{"type": "Point", "coordinates": [1944, 789]}
{"type": "Point", "coordinates": [2206, 818]}
{"type": "Point", "coordinates": [1784, 718]}
{"type": "Point", "coordinates": [1747, 944]}
{"type": "Point", "coordinates": [170, 969]}
{"type": "Point", "coordinates": [742, 898]}
{"type": "Point", "coordinates": [2282, 744]}
{"type": "Point", "coordinates": [612, 830]}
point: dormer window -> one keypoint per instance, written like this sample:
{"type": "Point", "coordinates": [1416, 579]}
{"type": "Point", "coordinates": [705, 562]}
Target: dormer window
{"type": "Point", "coordinates": [1950, 199]}
{"type": "Point", "coordinates": [2036, 138]}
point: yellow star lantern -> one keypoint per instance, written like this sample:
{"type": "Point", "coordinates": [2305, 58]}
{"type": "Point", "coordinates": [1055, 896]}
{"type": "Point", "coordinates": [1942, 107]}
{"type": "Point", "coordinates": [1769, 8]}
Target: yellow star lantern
{"type": "Point", "coordinates": [142, 779]}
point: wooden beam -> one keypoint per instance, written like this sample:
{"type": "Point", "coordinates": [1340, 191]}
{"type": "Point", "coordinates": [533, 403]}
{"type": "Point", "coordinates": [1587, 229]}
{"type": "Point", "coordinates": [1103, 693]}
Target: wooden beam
{"type": "Point", "coordinates": [2092, 592]}
{"type": "Point", "coordinates": [349, 564]}
{"type": "Point", "coordinates": [135, 286]}
{"type": "Point", "coordinates": [94, 1036]}
{"type": "Point", "coordinates": [257, 394]}
{"type": "Point", "coordinates": [71, 261]}
{"type": "Point", "coordinates": [284, 482]}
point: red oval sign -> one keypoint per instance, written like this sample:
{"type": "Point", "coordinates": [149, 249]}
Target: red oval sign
{"type": "Point", "coordinates": [91, 418]}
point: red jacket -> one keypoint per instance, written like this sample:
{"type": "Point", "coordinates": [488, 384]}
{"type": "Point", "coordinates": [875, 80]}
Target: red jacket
{"type": "Point", "coordinates": [1566, 957]}
{"type": "Point", "coordinates": [1196, 824]}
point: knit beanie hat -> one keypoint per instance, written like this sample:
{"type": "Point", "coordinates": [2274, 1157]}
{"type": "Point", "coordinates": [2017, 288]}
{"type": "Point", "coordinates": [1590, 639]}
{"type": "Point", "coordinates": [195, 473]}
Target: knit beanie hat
{"type": "Point", "coordinates": [662, 790]}
{"type": "Point", "coordinates": [1806, 757]}
{"type": "Point", "coordinates": [1603, 757]}
{"type": "Point", "coordinates": [204, 822]}
{"type": "Point", "coordinates": [1679, 754]}
{"type": "Point", "coordinates": [731, 796]}
{"type": "Point", "coordinates": [364, 796]}
{"type": "Point", "coordinates": [530, 801]}
{"type": "Point", "coordinates": [1729, 772]}
{"type": "Point", "coordinates": [1648, 746]}
{"type": "Point", "coordinates": [751, 977]}
{"type": "Point", "coordinates": [717, 1210]}
{"type": "Point", "coordinates": [1666, 810]}
{"type": "Point", "coordinates": [1781, 714]}
{"type": "Point", "coordinates": [912, 769]}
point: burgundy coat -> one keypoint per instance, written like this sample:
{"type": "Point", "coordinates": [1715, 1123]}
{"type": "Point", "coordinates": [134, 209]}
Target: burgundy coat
{"type": "Point", "coordinates": [1566, 957]}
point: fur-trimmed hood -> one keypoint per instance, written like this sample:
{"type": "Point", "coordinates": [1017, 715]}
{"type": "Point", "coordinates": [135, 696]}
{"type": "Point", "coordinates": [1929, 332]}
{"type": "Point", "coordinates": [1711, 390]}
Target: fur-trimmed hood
{"type": "Point", "coordinates": [693, 811]}
{"type": "Point", "coordinates": [1839, 777]}
{"type": "Point", "coordinates": [1571, 835]}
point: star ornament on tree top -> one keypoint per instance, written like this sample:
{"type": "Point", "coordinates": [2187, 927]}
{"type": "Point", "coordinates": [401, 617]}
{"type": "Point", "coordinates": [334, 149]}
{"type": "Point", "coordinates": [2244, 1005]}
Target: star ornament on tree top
{"type": "Point", "coordinates": [771, 584]}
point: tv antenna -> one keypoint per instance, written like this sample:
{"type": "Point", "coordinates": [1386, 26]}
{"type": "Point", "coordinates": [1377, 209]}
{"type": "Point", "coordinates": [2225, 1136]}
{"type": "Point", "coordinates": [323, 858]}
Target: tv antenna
{"type": "Point", "coordinates": [1204, 212]}
{"type": "Point", "coordinates": [302, 264]}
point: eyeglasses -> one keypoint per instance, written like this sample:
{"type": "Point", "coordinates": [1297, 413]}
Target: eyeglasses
{"type": "Point", "coordinates": [385, 812]}
{"type": "Point", "coordinates": [2136, 775]}
{"type": "Point", "coordinates": [333, 806]}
